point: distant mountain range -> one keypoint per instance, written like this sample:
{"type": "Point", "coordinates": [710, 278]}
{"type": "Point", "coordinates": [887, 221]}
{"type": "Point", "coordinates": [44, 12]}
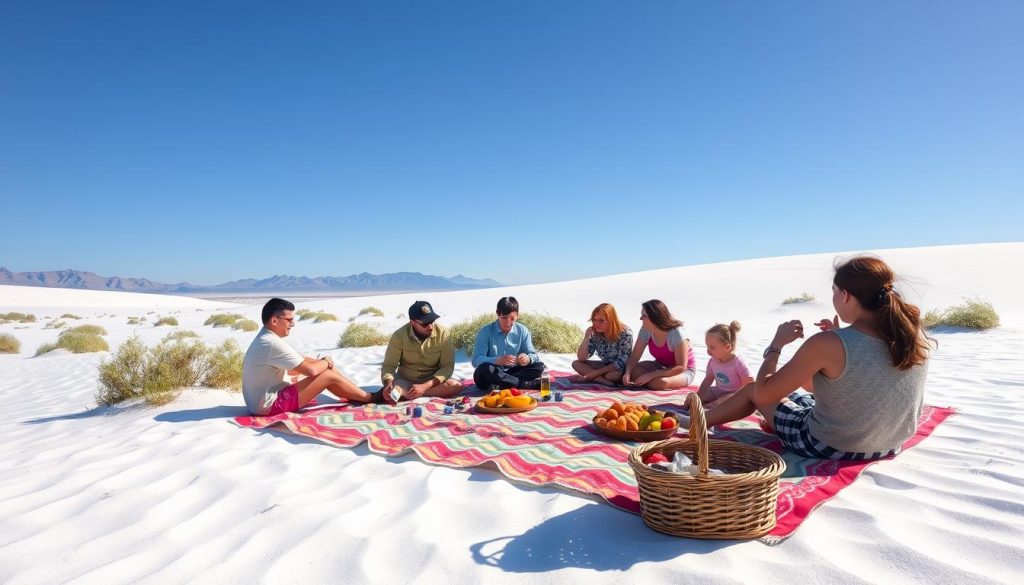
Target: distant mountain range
{"type": "Point", "coordinates": [394, 281]}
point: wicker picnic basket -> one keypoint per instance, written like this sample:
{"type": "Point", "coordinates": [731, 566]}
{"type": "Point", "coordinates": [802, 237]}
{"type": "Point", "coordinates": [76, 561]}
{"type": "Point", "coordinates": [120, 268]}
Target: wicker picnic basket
{"type": "Point", "coordinates": [737, 505]}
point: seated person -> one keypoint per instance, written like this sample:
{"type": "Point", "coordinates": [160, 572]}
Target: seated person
{"type": "Point", "coordinates": [611, 340]}
{"type": "Point", "coordinates": [674, 365]}
{"type": "Point", "coordinates": [270, 362]}
{"type": "Point", "coordinates": [503, 354]}
{"type": "Point", "coordinates": [422, 356]}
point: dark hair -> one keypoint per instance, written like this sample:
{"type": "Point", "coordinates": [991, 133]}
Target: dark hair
{"type": "Point", "coordinates": [658, 314]}
{"type": "Point", "coordinates": [274, 307]}
{"type": "Point", "coordinates": [870, 281]}
{"type": "Point", "coordinates": [507, 305]}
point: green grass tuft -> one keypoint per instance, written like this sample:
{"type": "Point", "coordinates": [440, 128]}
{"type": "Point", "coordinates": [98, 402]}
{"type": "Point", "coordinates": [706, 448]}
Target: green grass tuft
{"type": "Point", "coordinates": [166, 321]}
{"type": "Point", "coordinates": [76, 343]}
{"type": "Point", "coordinates": [802, 298]}
{"type": "Point", "coordinates": [223, 319]}
{"type": "Point", "coordinates": [973, 314]}
{"type": "Point", "coordinates": [362, 335]}
{"type": "Point", "coordinates": [371, 311]}
{"type": "Point", "coordinates": [550, 334]}
{"type": "Point", "coordinates": [246, 325]}
{"type": "Point", "coordinates": [225, 366]}
{"type": "Point", "coordinates": [9, 344]}
{"type": "Point", "coordinates": [69, 316]}
{"type": "Point", "coordinates": [55, 325]}
{"type": "Point", "coordinates": [86, 330]}
{"type": "Point", "coordinates": [180, 335]}
{"type": "Point", "coordinates": [15, 317]}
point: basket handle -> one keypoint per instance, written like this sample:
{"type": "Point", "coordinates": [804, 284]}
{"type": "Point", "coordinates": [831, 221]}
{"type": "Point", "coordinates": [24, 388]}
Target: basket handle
{"type": "Point", "coordinates": [698, 432]}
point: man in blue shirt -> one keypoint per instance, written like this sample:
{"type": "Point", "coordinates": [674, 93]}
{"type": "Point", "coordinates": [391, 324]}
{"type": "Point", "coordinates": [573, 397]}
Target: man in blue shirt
{"type": "Point", "coordinates": [503, 354]}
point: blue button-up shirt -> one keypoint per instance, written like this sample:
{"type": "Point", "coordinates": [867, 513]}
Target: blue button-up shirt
{"type": "Point", "coordinates": [491, 343]}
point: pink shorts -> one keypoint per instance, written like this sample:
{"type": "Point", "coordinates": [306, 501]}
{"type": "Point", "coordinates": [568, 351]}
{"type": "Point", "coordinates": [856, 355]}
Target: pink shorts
{"type": "Point", "coordinates": [287, 401]}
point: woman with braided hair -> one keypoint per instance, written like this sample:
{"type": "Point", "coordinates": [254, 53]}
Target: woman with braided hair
{"type": "Point", "coordinates": [863, 384]}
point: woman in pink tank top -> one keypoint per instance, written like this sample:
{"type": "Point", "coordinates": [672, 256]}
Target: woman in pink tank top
{"type": "Point", "coordinates": [674, 365]}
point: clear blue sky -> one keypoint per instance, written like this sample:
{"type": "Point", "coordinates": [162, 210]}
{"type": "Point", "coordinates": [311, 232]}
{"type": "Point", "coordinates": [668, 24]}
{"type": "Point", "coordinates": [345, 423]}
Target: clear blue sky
{"type": "Point", "coordinates": [526, 141]}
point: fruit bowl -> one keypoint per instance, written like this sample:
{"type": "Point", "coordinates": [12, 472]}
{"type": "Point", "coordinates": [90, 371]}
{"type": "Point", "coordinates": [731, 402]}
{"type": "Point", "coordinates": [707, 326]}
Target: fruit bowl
{"type": "Point", "coordinates": [480, 407]}
{"type": "Point", "coordinates": [640, 436]}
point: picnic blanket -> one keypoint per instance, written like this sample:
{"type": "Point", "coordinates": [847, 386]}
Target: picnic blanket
{"type": "Point", "coordinates": [554, 444]}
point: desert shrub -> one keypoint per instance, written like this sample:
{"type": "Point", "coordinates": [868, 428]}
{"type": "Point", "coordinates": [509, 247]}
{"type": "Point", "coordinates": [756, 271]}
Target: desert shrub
{"type": "Point", "coordinates": [225, 366]}
{"type": "Point", "coordinates": [464, 333]}
{"type": "Point", "coordinates": [223, 319]}
{"type": "Point", "coordinates": [159, 374]}
{"type": "Point", "coordinates": [123, 376]}
{"type": "Point", "coordinates": [315, 316]}
{"type": "Point", "coordinates": [549, 333]}
{"type": "Point", "coordinates": [15, 317]}
{"type": "Point", "coordinates": [55, 325]}
{"type": "Point", "coordinates": [86, 330]}
{"type": "Point", "coordinates": [362, 335]}
{"type": "Point", "coordinates": [973, 314]}
{"type": "Point", "coordinates": [9, 343]}
{"type": "Point", "coordinates": [76, 343]}
{"type": "Point", "coordinates": [69, 316]}
{"type": "Point", "coordinates": [181, 335]}
{"type": "Point", "coordinates": [322, 316]}
{"type": "Point", "coordinates": [166, 321]}
{"type": "Point", "coordinates": [305, 314]}
{"type": "Point", "coordinates": [802, 298]}
{"type": "Point", "coordinates": [246, 325]}
{"type": "Point", "coordinates": [351, 319]}
{"type": "Point", "coordinates": [371, 311]}
{"type": "Point", "coordinates": [133, 321]}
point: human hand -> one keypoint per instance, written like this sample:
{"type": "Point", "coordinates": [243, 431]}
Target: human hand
{"type": "Point", "coordinates": [505, 360]}
{"type": "Point", "coordinates": [788, 332]}
{"type": "Point", "coordinates": [826, 325]}
{"type": "Point", "coordinates": [643, 380]}
{"type": "Point", "coordinates": [417, 390]}
{"type": "Point", "coordinates": [627, 378]}
{"type": "Point", "coordinates": [523, 359]}
{"type": "Point", "coordinates": [386, 391]}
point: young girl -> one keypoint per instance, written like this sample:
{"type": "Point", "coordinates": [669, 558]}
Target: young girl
{"type": "Point", "coordinates": [726, 371]}
{"type": "Point", "coordinates": [674, 365]}
{"type": "Point", "coordinates": [611, 340]}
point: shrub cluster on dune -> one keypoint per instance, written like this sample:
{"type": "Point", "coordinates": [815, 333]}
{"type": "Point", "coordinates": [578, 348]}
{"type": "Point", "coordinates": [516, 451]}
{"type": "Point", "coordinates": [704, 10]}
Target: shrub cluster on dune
{"type": "Point", "coordinates": [159, 374]}
{"type": "Point", "coordinates": [362, 335]}
{"type": "Point", "coordinates": [549, 333]}
{"type": "Point", "coordinates": [972, 314]}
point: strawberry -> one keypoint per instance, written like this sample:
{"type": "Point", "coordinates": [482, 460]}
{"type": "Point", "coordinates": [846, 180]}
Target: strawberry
{"type": "Point", "coordinates": [515, 392]}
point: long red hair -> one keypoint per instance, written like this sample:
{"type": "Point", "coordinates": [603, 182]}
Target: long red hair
{"type": "Point", "coordinates": [615, 326]}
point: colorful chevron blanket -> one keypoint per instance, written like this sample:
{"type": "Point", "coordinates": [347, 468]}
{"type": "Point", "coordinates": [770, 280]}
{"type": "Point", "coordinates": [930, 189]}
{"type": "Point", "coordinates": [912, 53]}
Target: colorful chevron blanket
{"type": "Point", "coordinates": [554, 444]}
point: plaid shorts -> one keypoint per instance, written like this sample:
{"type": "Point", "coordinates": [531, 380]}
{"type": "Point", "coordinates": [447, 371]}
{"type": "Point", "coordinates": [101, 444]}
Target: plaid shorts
{"type": "Point", "coordinates": [791, 418]}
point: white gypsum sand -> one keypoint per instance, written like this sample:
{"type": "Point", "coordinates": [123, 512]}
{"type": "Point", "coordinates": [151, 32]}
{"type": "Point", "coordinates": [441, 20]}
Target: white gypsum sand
{"type": "Point", "coordinates": [176, 494]}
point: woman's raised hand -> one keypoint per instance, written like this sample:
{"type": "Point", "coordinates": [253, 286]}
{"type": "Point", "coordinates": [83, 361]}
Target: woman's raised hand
{"type": "Point", "coordinates": [788, 332]}
{"type": "Point", "coordinates": [828, 325]}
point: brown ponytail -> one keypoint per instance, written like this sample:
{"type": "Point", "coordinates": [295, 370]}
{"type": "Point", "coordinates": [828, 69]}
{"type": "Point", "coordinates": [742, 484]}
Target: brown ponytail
{"type": "Point", "coordinates": [727, 333]}
{"type": "Point", "coordinates": [870, 281]}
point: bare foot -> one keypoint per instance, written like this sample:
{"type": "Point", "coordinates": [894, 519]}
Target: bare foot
{"type": "Point", "coordinates": [577, 379]}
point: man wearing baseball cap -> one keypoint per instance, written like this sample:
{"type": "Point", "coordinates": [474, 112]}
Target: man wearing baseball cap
{"type": "Point", "coordinates": [420, 359]}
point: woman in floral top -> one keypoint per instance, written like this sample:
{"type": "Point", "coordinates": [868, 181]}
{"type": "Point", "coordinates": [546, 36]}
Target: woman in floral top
{"type": "Point", "coordinates": [611, 340]}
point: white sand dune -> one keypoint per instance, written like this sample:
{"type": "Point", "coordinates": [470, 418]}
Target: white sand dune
{"type": "Point", "coordinates": [177, 494]}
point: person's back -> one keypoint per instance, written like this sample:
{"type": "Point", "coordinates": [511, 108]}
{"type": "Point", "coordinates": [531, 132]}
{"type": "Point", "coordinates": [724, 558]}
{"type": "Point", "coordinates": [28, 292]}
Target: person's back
{"type": "Point", "coordinates": [873, 407]}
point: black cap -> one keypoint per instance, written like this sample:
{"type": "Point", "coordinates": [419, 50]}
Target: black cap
{"type": "Point", "coordinates": [422, 311]}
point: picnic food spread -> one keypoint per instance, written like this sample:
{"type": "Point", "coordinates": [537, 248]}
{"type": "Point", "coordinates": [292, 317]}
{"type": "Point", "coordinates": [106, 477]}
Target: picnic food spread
{"type": "Point", "coordinates": [507, 398]}
{"type": "Point", "coordinates": [633, 416]}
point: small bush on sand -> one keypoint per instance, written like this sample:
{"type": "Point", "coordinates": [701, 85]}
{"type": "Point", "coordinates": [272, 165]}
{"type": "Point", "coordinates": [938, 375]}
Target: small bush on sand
{"type": "Point", "coordinates": [133, 321]}
{"type": "Point", "coordinates": [181, 335]}
{"type": "Point", "coordinates": [371, 311]}
{"type": "Point", "coordinates": [362, 335]}
{"type": "Point", "coordinates": [15, 317]}
{"type": "Point", "coordinates": [246, 325]}
{"type": "Point", "coordinates": [86, 330]}
{"type": "Point", "coordinates": [69, 316]}
{"type": "Point", "coordinates": [166, 321]}
{"type": "Point", "coordinates": [223, 319]}
{"type": "Point", "coordinates": [55, 325]}
{"type": "Point", "coordinates": [802, 298]}
{"type": "Point", "coordinates": [158, 375]}
{"type": "Point", "coordinates": [76, 343]}
{"type": "Point", "coordinates": [305, 314]}
{"type": "Point", "coordinates": [973, 314]}
{"type": "Point", "coordinates": [225, 366]}
{"type": "Point", "coordinates": [316, 316]}
{"type": "Point", "coordinates": [550, 334]}
{"type": "Point", "coordinates": [9, 344]}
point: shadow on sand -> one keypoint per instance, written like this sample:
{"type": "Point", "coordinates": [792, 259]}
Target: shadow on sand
{"type": "Point", "coordinates": [593, 536]}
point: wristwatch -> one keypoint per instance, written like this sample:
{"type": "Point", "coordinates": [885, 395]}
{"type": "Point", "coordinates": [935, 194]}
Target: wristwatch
{"type": "Point", "coordinates": [770, 349]}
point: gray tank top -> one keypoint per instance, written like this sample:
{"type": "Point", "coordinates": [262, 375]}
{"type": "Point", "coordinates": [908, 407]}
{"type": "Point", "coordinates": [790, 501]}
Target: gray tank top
{"type": "Point", "coordinates": [872, 407]}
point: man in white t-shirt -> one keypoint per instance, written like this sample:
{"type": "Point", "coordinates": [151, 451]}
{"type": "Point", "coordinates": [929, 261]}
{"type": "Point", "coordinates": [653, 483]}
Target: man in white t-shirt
{"type": "Point", "coordinates": [270, 362]}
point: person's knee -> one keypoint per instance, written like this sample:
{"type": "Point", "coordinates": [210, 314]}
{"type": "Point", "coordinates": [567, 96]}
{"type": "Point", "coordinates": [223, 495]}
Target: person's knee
{"type": "Point", "coordinates": [578, 365]}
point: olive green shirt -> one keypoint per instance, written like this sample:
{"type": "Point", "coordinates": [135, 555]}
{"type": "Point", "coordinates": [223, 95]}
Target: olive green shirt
{"type": "Point", "coordinates": [419, 361]}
